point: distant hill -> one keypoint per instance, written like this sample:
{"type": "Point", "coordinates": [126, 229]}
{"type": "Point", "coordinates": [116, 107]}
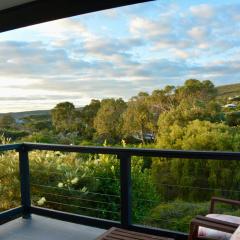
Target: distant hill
{"type": "Point", "coordinates": [226, 91]}
{"type": "Point", "coordinates": [19, 115]}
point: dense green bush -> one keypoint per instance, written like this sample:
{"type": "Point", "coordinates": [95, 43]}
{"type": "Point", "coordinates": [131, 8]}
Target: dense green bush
{"type": "Point", "coordinates": [14, 135]}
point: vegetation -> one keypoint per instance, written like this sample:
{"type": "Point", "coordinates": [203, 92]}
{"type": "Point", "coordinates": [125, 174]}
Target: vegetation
{"type": "Point", "coordinates": [226, 91]}
{"type": "Point", "coordinates": [167, 193]}
{"type": "Point", "coordinates": [108, 121]}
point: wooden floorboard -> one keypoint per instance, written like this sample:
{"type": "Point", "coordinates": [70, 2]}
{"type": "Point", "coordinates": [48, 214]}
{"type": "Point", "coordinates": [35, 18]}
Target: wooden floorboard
{"type": "Point", "coordinates": [122, 234]}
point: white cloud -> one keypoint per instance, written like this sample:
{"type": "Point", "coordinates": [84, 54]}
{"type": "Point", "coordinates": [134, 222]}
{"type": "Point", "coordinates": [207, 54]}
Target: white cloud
{"type": "Point", "coordinates": [203, 45]}
{"type": "Point", "coordinates": [202, 11]}
{"type": "Point", "coordinates": [148, 28]}
{"type": "Point", "coordinates": [181, 54]}
{"type": "Point", "coordinates": [62, 30]}
{"type": "Point", "coordinates": [198, 33]}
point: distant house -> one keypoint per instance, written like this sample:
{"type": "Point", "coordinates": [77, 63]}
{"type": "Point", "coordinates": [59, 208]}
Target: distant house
{"type": "Point", "coordinates": [235, 98]}
{"type": "Point", "coordinates": [230, 105]}
{"type": "Point", "coordinates": [19, 121]}
{"type": "Point", "coordinates": [147, 136]}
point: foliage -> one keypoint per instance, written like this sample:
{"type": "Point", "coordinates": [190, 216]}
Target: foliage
{"type": "Point", "coordinates": [88, 115]}
{"type": "Point", "coordinates": [177, 215]}
{"type": "Point", "coordinates": [13, 134]}
{"type": "Point", "coordinates": [9, 178]}
{"type": "Point", "coordinates": [108, 121]}
{"type": "Point", "coordinates": [36, 123]}
{"type": "Point", "coordinates": [7, 121]}
{"type": "Point", "coordinates": [172, 174]}
{"type": "Point", "coordinates": [199, 135]}
{"type": "Point", "coordinates": [137, 119]}
{"type": "Point", "coordinates": [233, 118]}
{"type": "Point", "coordinates": [63, 117]}
{"type": "Point", "coordinates": [41, 137]}
{"type": "Point", "coordinates": [93, 178]}
{"type": "Point", "coordinates": [195, 89]}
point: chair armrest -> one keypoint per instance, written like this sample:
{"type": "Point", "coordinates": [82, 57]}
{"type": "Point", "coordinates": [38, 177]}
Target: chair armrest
{"type": "Point", "coordinates": [222, 200]}
{"type": "Point", "coordinates": [214, 220]}
{"type": "Point", "coordinates": [212, 225]}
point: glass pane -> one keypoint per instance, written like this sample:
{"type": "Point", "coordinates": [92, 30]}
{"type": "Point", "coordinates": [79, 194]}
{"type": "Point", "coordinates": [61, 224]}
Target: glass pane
{"type": "Point", "coordinates": [9, 180]}
{"type": "Point", "coordinates": [77, 183]}
{"type": "Point", "coordinates": [174, 191]}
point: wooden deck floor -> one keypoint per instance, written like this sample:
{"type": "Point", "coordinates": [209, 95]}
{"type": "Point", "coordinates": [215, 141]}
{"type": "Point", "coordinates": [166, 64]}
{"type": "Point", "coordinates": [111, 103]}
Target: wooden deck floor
{"type": "Point", "coordinates": [39, 228]}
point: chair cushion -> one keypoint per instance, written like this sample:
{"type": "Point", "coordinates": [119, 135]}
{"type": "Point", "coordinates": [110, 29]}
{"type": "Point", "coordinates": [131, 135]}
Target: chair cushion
{"type": "Point", "coordinates": [215, 234]}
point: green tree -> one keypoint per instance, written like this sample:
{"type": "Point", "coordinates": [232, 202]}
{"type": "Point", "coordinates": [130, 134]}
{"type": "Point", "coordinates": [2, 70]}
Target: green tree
{"type": "Point", "coordinates": [188, 111]}
{"type": "Point", "coordinates": [161, 101]}
{"type": "Point", "coordinates": [233, 118]}
{"type": "Point", "coordinates": [199, 135]}
{"type": "Point", "coordinates": [64, 117]}
{"type": "Point", "coordinates": [35, 123]}
{"type": "Point", "coordinates": [7, 121]}
{"type": "Point", "coordinates": [196, 89]}
{"type": "Point", "coordinates": [137, 119]}
{"type": "Point", "coordinates": [88, 113]}
{"type": "Point", "coordinates": [108, 121]}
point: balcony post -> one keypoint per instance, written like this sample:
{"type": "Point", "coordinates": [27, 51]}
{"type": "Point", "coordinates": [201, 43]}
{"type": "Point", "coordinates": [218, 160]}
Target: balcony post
{"type": "Point", "coordinates": [24, 181]}
{"type": "Point", "coordinates": [125, 188]}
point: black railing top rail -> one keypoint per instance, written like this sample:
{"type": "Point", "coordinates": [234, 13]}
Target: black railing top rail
{"type": "Point", "coordinates": [213, 155]}
{"type": "Point", "coordinates": [167, 153]}
{"type": "Point", "coordinates": [9, 147]}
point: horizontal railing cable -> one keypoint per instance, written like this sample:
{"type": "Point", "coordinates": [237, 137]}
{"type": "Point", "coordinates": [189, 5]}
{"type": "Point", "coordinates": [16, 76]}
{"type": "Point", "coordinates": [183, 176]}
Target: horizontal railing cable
{"type": "Point", "coordinates": [81, 177]}
{"type": "Point", "coordinates": [86, 208]}
{"type": "Point", "coordinates": [76, 198]}
{"type": "Point", "coordinates": [72, 190]}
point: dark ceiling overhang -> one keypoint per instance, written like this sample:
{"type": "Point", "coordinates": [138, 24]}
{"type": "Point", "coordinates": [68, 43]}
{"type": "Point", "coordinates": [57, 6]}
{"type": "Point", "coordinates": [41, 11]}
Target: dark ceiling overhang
{"type": "Point", "coordinates": [40, 11]}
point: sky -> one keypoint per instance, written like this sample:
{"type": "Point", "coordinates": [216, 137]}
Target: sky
{"type": "Point", "coordinates": [119, 52]}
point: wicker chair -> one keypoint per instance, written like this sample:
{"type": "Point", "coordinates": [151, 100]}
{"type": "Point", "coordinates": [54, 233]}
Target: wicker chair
{"type": "Point", "coordinates": [216, 223]}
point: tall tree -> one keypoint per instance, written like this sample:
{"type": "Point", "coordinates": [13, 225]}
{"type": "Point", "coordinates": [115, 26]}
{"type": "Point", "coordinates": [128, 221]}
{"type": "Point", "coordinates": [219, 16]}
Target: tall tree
{"type": "Point", "coordinates": [161, 101]}
{"type": "Point", "coordinates": [196, 89]}
{"type": "Point", "coordinates": [138, 117]}
{"type": "Point", "coordinates": [88, 113]}
{"type": "Point", "coordinates": [108, 121]}
{"type": "Point", "coordinates": [64, 117]}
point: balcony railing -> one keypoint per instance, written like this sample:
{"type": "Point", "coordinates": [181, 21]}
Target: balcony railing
{"type": "Point", "coordinates": [124, 155]}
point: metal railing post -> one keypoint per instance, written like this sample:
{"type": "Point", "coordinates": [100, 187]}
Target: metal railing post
{"type": "Point", "coordinates": [125, 188]}
{"type": "Point", "coordinates": [24, 181]}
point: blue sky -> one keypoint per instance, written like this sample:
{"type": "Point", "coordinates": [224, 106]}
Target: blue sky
{"type": "Point", "coordinates": [119, 52]}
